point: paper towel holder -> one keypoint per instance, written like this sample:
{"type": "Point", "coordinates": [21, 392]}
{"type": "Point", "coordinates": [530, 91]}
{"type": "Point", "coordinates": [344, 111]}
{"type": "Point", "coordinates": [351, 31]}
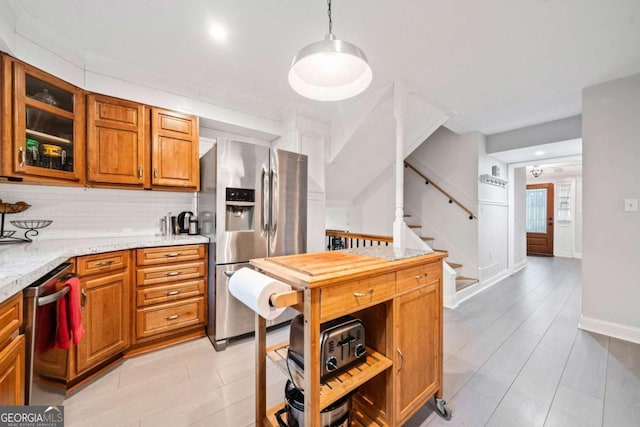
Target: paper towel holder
{"type": "Point", "coordinates": [285, 299]}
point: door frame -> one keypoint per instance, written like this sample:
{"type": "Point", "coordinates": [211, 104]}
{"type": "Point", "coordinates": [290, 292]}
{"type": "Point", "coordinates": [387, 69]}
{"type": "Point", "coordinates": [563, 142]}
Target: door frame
{"type": "Point", "coordinates": [549, 219]}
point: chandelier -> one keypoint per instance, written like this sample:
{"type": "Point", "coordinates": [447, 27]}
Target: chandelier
{"type": "Point", "coordinates": [536, 171]}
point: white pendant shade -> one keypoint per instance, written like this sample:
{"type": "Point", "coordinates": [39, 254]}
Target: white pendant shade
{"type": "Point", "coordinates": [330, 70]}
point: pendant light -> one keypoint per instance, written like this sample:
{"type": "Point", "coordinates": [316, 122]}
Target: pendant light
{"type": "Point", "coordinates": [330, 70]}
{"type": "Point", "coordinates": [536, 171]}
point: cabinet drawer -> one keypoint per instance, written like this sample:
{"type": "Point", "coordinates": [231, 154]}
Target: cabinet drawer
{"type": "Point", "coordinates": [164, 255]}
{"type": "Point", "coordinates": [170, 273]}
{"type": "Point", "coordinates": [174, 291]}
{"type": "Point", "coordinates": [348, 297]}
{"type": "Point", "coordinates": [168, 317]}
{"type": "Point", "coordinates": [418, 276]}
{"type": "Point", "coordinates": [101, 263]}
{"type": "Point", "coordinates": [10, 317]}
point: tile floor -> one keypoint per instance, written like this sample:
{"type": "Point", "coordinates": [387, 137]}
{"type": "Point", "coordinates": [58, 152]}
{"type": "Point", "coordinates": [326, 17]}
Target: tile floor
{"type": "Point", "coordinates": [513, 356]}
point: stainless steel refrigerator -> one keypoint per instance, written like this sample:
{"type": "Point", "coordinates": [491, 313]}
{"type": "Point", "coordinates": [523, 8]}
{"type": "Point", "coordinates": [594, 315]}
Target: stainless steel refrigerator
{"type": "Point", "coordinates": [252, 204]}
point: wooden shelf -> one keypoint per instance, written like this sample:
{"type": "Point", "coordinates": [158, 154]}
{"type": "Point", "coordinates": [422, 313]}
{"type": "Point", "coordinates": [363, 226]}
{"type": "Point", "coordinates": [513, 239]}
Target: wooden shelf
{"type": "Point", "coordinates": [47, 137]}
{"type": "Point", "coordinates": [342, 384]}
{"type": "Point", "coordinates": [359, 418]}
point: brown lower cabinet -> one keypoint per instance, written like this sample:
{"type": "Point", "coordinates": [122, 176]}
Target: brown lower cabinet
{"type": "Point", "coordinates": [171, 299]}
{"type": "Point", "coordinates": [12, 353]}
{"type": "Point", "coordinates": [105, 318]}
{"type": "Point", "coordinates": [123, 316]}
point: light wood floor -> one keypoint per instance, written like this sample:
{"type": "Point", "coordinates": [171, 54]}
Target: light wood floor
{"type": "Point", "coordinates": [513, 356]}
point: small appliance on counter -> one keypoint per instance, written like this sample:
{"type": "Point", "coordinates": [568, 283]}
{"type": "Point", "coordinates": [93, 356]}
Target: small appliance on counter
{"type": "Point", "coordinates": [341, 345]}
{"type": "Point", "coordinates": [184, 218]}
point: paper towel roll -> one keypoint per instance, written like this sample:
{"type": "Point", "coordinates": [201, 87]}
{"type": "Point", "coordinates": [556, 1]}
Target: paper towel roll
{"type": "Point", "coordinates": [254, 289]}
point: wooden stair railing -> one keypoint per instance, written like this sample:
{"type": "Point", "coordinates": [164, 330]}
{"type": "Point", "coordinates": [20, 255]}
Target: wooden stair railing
{"type": "Point", "coordinates": [337, 239]}
{"type": "Point", "coordinates": [437, 187]}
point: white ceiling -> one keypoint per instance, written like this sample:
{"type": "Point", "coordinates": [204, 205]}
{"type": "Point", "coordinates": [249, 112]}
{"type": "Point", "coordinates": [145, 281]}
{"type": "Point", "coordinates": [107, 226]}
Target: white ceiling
{"type": "Point", "coordinates": [495, 64]}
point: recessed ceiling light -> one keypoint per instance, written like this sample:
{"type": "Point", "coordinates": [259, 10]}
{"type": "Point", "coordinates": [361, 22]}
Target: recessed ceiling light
{"type": "Point", "coordinates": [218, 32]}
{"type": "Point", "coordinates": [539, 153]}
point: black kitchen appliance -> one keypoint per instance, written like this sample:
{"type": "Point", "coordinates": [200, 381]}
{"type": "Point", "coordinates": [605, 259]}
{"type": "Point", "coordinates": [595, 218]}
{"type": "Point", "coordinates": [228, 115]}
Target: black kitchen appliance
{"type": "Point", "coordinates": [183, 221]}
{"type": "Point", "coordinates": [341, 344]}
{"type": "Point", "coordinates": [335, 415]}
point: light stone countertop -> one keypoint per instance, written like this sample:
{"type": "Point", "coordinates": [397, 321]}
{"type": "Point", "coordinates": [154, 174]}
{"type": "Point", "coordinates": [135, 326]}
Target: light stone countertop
{"type": "Point", "coordinates": [23, 263]}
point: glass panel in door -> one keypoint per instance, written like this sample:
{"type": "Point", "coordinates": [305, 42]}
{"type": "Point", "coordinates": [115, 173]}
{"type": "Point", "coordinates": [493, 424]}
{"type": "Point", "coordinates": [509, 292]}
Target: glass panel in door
{"type": "Point", "coordinates": [49, 125]}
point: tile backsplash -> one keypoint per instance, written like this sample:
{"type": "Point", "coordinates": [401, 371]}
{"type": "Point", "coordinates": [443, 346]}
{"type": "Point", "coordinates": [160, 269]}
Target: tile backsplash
{"type": "Point", "coordinates": [86, 212]}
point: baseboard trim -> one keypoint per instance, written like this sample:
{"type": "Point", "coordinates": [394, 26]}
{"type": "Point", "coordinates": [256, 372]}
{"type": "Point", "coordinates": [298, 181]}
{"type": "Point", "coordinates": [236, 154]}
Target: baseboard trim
{"type": "Point", "coordinates": [469, 292]}
{"type": "Point", "coordinates": [615, 330]}
{"type": "Point", "coordinates": [519, 266]}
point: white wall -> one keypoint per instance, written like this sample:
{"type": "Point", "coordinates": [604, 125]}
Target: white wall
{"type": "Point", "coordinates": [519, 211]}
{"type": "Point", "coordinates": [611, 246]}
{"type": "Point", "coordinates": [451, 161]}
{"type": "Point", "coordinates": [493, 219]}
{"type": "Point", "coordinates": [88, 212]}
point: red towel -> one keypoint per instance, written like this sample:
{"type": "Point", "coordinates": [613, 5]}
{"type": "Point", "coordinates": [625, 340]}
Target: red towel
{"type": "Point", "coordinates": [70, 315]}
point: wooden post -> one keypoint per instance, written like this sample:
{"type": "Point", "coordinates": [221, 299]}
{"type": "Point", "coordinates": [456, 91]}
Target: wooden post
{"type": "Point", "coordinates": [261, 370]}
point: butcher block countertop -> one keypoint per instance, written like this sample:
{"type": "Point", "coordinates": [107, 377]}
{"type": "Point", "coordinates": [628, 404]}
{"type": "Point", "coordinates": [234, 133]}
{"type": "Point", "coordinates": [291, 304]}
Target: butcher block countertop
{"type": "Point", "coordinates": [324, 268]}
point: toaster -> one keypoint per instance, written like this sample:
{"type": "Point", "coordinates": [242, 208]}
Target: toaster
{"type": "Point", "coordinates": [341, 344]}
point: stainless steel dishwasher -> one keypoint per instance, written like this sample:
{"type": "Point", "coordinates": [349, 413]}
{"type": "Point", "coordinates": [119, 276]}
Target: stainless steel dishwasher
{"type": "Point", "coordinates": [45, 366]}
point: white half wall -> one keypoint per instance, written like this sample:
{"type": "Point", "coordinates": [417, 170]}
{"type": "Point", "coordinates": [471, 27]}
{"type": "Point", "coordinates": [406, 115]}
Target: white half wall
{"type": "Point", "coordinates": [611, 245]}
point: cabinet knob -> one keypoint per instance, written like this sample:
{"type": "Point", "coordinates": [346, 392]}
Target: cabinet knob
{"type": "Point", "coordinates": [171, 293]}
{"type": "Point", "coordinates": [174, 317]}
{"type": "Point", "coordinates": [140, 170]}
{"type": "Point", "coordinates": [173, 273]}
{"type": "Point", "coordinates": [155, 172]}
{"type": "Point", "coordinates": [401, 360]}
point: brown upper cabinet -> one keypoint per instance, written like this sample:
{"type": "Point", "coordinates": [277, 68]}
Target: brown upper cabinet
{"type": "Point", "coordinates": [117, 151]}
{"type": "Point", "coordinates": [127, 144]}
{"type": "Point", "coordinates": [43, 118]}
{"type": "Point", "coordinates": [120, 152]}
{"type": "Point", "coordinates": [174, 150]}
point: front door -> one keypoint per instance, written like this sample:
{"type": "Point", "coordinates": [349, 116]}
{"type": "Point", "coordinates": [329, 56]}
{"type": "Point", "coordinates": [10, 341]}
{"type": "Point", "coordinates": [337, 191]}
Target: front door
{"type": "Point", "coordinates": [540, 219]}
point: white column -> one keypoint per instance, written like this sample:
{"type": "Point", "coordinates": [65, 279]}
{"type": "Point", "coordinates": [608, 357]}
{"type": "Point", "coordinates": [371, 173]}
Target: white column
{"type": "Point", "coordinates": [399, 109]}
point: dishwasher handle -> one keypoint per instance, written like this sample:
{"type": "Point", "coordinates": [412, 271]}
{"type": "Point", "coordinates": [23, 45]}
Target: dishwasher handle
{"type": "Point", "coordinates": [53, 297]}
{"type": "Point", "coordinates": [48, 299]}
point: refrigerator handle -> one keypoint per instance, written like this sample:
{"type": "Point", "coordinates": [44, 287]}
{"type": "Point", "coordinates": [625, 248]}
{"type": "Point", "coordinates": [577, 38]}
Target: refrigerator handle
{"type": "Point", "coordinates": [275, 183]}
{"type": "Point", "coordinates": [265, 201]}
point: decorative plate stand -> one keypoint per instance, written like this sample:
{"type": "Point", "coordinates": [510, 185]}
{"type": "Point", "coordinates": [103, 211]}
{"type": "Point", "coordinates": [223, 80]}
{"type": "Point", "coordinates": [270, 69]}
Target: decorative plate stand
{"type": "Point", "coordinates": [30, 226]}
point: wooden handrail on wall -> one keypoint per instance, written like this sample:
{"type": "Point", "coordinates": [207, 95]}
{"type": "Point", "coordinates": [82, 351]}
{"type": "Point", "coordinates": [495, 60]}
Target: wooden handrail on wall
{"type": "Point", "coordinates": [337, 239]}
{"type": "Point", "coordinates": [429, 182]}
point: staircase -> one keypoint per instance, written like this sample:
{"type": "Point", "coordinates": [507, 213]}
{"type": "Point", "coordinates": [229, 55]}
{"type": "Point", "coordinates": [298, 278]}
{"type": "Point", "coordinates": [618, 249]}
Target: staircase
{"type": "Point", "coordinates": [462, 282]}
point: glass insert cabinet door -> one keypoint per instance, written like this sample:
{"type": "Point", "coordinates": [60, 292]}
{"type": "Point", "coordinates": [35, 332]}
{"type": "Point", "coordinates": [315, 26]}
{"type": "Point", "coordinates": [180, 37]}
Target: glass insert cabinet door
{"type": "Point", "coordinates": [49, 125]}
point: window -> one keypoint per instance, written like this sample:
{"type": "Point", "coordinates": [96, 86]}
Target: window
{"type": "Point", "coordinates": [564, 202]}
{"type": "Point", "coordinates": [537, 210]}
